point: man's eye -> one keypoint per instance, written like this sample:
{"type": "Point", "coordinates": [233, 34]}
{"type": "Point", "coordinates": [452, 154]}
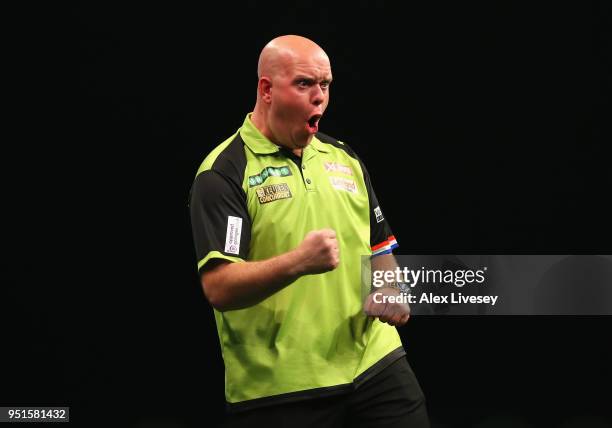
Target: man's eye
{"type": "Point", "coordinates": [303, 83]}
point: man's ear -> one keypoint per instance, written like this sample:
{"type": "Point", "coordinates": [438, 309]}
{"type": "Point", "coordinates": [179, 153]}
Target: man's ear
{"type": "Point", "coordinates": [265, 89]}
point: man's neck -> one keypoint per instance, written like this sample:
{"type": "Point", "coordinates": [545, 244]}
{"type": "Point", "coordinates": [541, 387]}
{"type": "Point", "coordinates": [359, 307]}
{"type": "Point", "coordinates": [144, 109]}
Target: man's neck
{"type": "Point", "coordinates": [259, 121]}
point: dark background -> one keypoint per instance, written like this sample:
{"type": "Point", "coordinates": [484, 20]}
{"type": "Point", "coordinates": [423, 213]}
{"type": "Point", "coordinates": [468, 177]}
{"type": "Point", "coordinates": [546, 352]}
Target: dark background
{"type": "Point", "coordinates": [484, 127]}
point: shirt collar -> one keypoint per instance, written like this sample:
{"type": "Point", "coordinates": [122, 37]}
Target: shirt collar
{"type": "Point", "coordinates": [260, 144]}
{"type": "Point", "coordinates": [317, 144]}
{"type": "Point", "coordinates": [254, 139]}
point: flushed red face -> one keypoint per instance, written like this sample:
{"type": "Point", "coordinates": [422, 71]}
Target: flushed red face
{"type": "Point", "coordinates": [299, 97]}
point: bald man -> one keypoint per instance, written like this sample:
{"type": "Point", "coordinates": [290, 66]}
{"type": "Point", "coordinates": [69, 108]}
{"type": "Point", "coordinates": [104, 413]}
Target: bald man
{"type": "Point", "coordinates": [282, 216]}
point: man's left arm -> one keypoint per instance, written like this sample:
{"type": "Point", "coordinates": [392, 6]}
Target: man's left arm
{"type": "Point", "coordinates": [382, 242]}
{"type": "Point", "coordinates": [378, 304]}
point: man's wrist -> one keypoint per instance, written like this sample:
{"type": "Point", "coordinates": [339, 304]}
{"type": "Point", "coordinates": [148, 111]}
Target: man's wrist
{"type": "Point", "coordinates": [403, 288]}
{"type": "Point", "coordinates": [294, 259]}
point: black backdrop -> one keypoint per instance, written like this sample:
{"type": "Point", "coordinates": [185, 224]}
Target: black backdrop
{"type": "Point", "coordinates": [483, 126]}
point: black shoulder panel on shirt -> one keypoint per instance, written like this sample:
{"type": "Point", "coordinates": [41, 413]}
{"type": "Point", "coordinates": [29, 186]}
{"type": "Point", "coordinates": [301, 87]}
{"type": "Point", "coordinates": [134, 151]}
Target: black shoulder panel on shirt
{"type": "Point", "coordinates": [231, 162]}
{"type": "Point", "coordinates": [324, 138]}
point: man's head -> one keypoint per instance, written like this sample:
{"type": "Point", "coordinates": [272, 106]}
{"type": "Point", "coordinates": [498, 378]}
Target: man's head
{"type": "Point", "coordinates": [293, 90]}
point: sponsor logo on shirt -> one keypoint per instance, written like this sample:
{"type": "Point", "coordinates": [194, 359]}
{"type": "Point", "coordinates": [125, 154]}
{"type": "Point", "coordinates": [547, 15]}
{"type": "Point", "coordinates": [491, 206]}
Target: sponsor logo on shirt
{"type": "Point", "coordinates": [269, 171]}
{"type": "Point", "coordinates": [345, 184]}
{"type": "Point", "coordinates": [336, 167]}
{"type": "Point", "coordinates": [232, 236]}
{"type": "Point", "coordinates": [273, 192]}
{"type": "Point", "coordinates": [379, 215]}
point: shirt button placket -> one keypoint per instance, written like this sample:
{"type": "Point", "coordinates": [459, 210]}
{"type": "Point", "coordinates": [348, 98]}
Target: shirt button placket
{"type": "Point", "coordinates": [307, 180]}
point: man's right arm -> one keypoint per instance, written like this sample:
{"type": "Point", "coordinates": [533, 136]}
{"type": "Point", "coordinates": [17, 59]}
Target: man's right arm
{"type": "Point", "coordinates": [237, 285]}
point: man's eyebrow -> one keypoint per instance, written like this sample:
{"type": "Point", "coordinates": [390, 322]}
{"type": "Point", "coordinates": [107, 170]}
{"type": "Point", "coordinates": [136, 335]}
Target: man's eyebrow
{"type": "Point", "coordinates": [303, 77]}
{"type": "Point", "coordinates": [311, 79]}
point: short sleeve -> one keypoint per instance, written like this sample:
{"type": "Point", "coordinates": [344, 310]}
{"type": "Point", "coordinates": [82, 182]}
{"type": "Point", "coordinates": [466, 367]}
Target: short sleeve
{"type": "Point", "coordinates": [220, 220]}
{"type": "Point", "coordinates": [382, 240]}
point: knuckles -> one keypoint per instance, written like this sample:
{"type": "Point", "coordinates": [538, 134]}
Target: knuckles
{"type": "Point", "coordinates": [395, 314]}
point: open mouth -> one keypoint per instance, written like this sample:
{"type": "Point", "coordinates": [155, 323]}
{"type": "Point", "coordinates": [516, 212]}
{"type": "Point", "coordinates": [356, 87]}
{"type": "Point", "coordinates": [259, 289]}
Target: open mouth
{"type": "Point", "coordinates": [313, 123]}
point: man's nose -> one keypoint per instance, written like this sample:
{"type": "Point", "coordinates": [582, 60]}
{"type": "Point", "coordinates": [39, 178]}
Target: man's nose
{"type": "Point", "coordinates": [318, 96]}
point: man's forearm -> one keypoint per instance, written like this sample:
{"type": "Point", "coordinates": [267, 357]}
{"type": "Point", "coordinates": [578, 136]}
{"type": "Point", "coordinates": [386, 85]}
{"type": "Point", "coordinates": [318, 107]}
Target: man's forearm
{"type": "Point", "coordinates": [230, 286]}
{"type": "Point", "coordinates": [393, 312]}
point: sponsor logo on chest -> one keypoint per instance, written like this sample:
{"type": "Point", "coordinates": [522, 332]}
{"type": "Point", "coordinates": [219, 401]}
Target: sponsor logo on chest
{"type": "Point", "coordinates": [273, 192]}
{"type": "Point", "coordinates": [269, 171]}
{"type": "Point", "coordinates": [340, 183]}
{"type": "Point", "coordinates": [336, 167]}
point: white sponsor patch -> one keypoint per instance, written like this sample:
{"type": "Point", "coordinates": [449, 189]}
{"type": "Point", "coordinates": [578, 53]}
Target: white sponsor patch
{"type": "Point", "coordinates": [379, 216]}
{"type": "Point", "coordinates": [343, 184]}
{"type": "Point", "coordinates": [336, 167]}
{"type": "Point", "coordinates": [232, 237]}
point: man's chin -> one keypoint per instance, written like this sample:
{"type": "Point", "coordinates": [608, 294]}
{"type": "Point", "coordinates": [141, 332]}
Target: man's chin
{"type": "Point", "coordinates": [302, 142]}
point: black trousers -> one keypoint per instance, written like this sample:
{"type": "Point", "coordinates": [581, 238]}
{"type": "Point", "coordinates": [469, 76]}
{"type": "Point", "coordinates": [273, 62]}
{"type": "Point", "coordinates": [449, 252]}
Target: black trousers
{"type": "Point", "coordinates": [392, 398]}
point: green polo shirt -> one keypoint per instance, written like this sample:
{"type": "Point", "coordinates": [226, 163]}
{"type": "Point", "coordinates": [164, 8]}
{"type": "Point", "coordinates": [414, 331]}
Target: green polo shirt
{"type": "Point", "coordinates": [252, 200]}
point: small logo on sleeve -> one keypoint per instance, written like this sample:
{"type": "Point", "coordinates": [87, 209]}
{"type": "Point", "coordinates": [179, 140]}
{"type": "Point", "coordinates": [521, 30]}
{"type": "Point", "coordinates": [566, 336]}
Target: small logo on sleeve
{"type": "Point", "coordinates": [273, 192]}
{"type": "Point", "coordinates": [379, 215]}
{"type": "Point", "coordinates": [343, 184]}
{"type": "Point", "coordinates": [269, 171]}
{"type": "Point", "coordinates": [232, 236]}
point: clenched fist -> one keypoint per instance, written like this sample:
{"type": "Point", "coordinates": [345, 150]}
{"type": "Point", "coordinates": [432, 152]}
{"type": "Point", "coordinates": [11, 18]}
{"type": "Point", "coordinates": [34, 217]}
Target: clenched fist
{"type": "Point", "coordinates": [387, 310]}
{"type": "Point", "coordinates": [318, 252]}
